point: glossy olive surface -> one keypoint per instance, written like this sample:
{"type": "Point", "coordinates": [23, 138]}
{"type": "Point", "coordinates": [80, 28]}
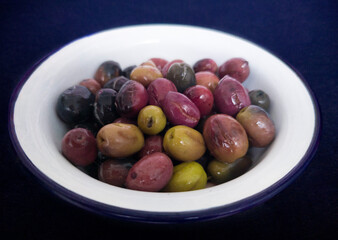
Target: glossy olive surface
{"type": "Point", "coordinates": [131, 98]}
{"type": "Point", "coordinates": [116, 83]}
{"type": "Point", "coordinates": [168, 65]}
{"type": "Point", "coordinates": [222, 172]}
{"type": "Point", "coordinates": [202, 97]}
{"type": "Point", "coordinates": [104, 107]}
{"type": "Point", "coordinates": [225, 138]}
{"type": "Point", "coordinates": [260, 98]}
{"type": "Point", "coordinates": [151, 173]}
{"type": "Point", "coordinates": [151, 120]}
{"type": "Point", "coordinates": [237, 68]}
{"type": "Point", "coordinates": [180, 110]}
{"type": "Point", "coordinates": [207, 79]}
{"type": "Point", "coordinates": [152, 144]}
{"type": "Point", "coordinates": [206, 64]}
{"type": "Point", "coordinates": [91, 84]}
{"type": "Point", "coordinates": [106, 71]}
{"type": "Point", "coordinates": [258, 125]}
{"type": "Point", "coordinates": [145, 74]}
{"type": "Point", "coordinates": [75, 105]}
{"type": "Point", "coordinates": [187, 176]}
{"type": "Point", "coordinates": [184, 143]}
{"type": "Point", "coordinates": [114, 171]}
{"type": "Point", "coordinates": [158, 89]}
{"type": "Point", "coordinates": [230, 96]}
{"type": "Point", "coordinates": [119, 140]}
{"type": "Point", "coordinates": [182, 75]}
{"type": "Point", "coordinates": [79, 147]}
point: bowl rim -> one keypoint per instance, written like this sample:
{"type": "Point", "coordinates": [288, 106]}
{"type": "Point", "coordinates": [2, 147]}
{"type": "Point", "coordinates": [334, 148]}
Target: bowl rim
{"type": "Point", "coordinates": [163, 217]}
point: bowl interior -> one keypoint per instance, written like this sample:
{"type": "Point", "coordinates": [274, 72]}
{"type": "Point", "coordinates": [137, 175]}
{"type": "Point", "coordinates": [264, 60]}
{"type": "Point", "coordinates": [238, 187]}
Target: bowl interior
{"type": "Point", "coordinates": [39, 131]}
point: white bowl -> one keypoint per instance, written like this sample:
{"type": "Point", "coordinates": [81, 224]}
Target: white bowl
{"type": "Point", "coordinates": [36, 131]}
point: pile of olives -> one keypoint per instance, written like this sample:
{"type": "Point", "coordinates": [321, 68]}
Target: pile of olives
{"type": "Point", "coordinates": [164, 125]}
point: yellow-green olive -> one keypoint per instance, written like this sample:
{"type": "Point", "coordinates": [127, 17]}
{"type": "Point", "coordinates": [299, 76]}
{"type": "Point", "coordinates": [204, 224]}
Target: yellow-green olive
{"type": "Point", "coordinates": [151, 120]}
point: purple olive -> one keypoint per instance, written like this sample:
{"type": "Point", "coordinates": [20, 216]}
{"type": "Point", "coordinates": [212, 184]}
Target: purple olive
{"type": "Point", "coordinates": [230, 96]}
{"type": "Point", "coordinates": [237, 68]}
{"type": "Point", "coordinates": [106, 71]}
{"type": "Point", "coordinates": [206, 64]}
{"type": "Point", "coordinates": [116, 83]}
{"type": "Point", "coordinates": [104, 108]}
{"type": "Point", "coordinates": [202, 97]}
{"type": "Point", "coordinates": [114, 171]}
{"type": "Point", "coordinates": [131, 98]}
{"type": "Point", "coordinates": [180, 110]}
{"type": "Point", "coordinates": [158, 89]}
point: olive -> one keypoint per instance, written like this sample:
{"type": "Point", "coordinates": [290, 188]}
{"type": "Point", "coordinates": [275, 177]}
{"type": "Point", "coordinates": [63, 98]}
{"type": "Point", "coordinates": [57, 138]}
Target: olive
{"type": "Point", "coordinates": [222, 172]}
{"type": "Point", "coordinates": [187, 176]}
{"type": "Point", "coordinates": [182, 75]}
{"type": "Point", "coordinates": [158, 89]}
{"type": "Point", "coordinates": [202, 97]}
{"type": "Point", "coordinates": [152, 144]}
{"type": "Point", "coordinates": [207, 79]}
{"type": "Point", "coordinates": [114, 171]}
{"type": "Point", "coordinates": [230, 96]}
{"type": "Point", "coordinates": [184, 143]}
{"type": "Point", "coordinates": [91, 84]}
{"type": "Point", "coordinates": [237, 68]}
{"type": "Point", "coordinates": [260, 98]}
{"type": "Point", "coordinates": [180, 110]}
{"type": "Point", "coordinates": [104, 106]}
{"type": "Point", "coordinates": [126, 72]}
{"type": "Point", "coordinates": [151, 173]}
{"type": "Point", "coordinates": [206, 64]}
{"type": "Point", "coordinates": [75, 105]}
{"type": "Point", "coordinates": [119, 140]}
{"type": "Point", "coordinates": [106, 71]}
{"type": "Point", "coordinates": [159, 62]}
{"type": "Point", "coordinates": [125, 120]}
{"type": "Point", "coordinates": [79, 147]}
{"type": "Point", "coordinates": [258, 125]}
{"type": "Point", "coordinates": [131, 98]}
{"type": "Point", "coordinates": [151, 120]}
{"type": "Point", "coordinates": [225, 138]}
{"type": "Point", "coordinates": [145, 74]}
{"type": "Point", "coordinates": [168, 65]}
{"type": "Point", "coordinates": [148, 63]}
{"type": "Point", "coordinates": [116, 83]}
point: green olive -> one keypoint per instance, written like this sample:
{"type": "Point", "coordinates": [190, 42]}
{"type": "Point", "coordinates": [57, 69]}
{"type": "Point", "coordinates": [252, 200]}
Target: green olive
{"type": "Point", "coordinates": [187, 176]}
{"type": "Point", "coordinates": [151, 120]}
{"type": "Point", "coordinates": [222, 172]}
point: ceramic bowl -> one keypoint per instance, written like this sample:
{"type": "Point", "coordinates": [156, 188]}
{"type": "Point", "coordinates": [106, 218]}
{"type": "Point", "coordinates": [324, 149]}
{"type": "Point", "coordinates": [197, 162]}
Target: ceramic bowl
{"type": "Point", "coordinates": [36, 131]}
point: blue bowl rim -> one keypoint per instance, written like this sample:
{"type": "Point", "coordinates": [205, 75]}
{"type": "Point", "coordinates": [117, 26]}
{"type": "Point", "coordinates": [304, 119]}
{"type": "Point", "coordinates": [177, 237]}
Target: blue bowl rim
{"type": "Point", "coordinates": [164, 217]}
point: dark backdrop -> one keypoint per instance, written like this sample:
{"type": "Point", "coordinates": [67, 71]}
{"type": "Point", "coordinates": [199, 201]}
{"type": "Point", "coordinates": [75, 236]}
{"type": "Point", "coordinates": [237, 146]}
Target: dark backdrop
{"type": "Point", "coordinates": [304, 33]}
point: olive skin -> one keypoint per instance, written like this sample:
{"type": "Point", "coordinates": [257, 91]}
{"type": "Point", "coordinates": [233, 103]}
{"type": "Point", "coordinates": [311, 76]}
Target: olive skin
{"type": "Point", "coordinates": [159, 63]}
{"type": "Point", "coordinates": [180, 110]}
{"type": "Point", "coordinates": [91, 84]}
{"type": "Point", "coordinates": [168, 65]}
{"type": "Point", "coordinates": [237, 68]}
{"type": "Point", "coordinates": [114, 172]}
{"type": "Point", "coordinates": [230, 96]}
{"type": "Point", "coordinates": [104, 107]}
{"type": "Point", "coordinates": [158, 89]}
{"type": "Point", "coordinates": [106, 71]}
{"type": "Point", "coordinates": [258, 125]}
{"type": "Point", "coordinates": [187, 176]}
{"type": "Point", "coordinates": [225, 138]}
{"type": "Point", "coordinates": [151, 173]}
{"type": "Point", "coordinates": [207, 79]}
{"type": "Point", "coordinates": [222, 172]}
{"type": "Point", "coordinates": [79, 147]}
{"type": "Point", "coordinates": [182, 75]}
{"type": "Point", "coordinates": [151, 144]}
{"type": "Point", "coordinates": [118, 140]}
{"type": "Point", "coordinates": [184, 143]}
{"type": "Point", "coordinates": [202, 97]}
{"type": "Point", "coordinates": [206, 64]}
{"type": "Point", "coordinates": [145, 74]}
{"type": "Point", "coordinates": [131, 98]}
{"type": "Point", "coordinates": [116, 83]}
{"type": "Point", "coordinates": [151, 120]}
{"type": "Point", "coordinates": [126, 72]}
{"type": "Point", "coordinates": [260, 98]}
{"type": "Point", "coordinates": [75, 105]}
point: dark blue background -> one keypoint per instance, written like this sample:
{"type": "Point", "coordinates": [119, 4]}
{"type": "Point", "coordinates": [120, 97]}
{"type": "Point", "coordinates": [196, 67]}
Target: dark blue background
{"type": "Point", "coordinates": [304, 33]}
